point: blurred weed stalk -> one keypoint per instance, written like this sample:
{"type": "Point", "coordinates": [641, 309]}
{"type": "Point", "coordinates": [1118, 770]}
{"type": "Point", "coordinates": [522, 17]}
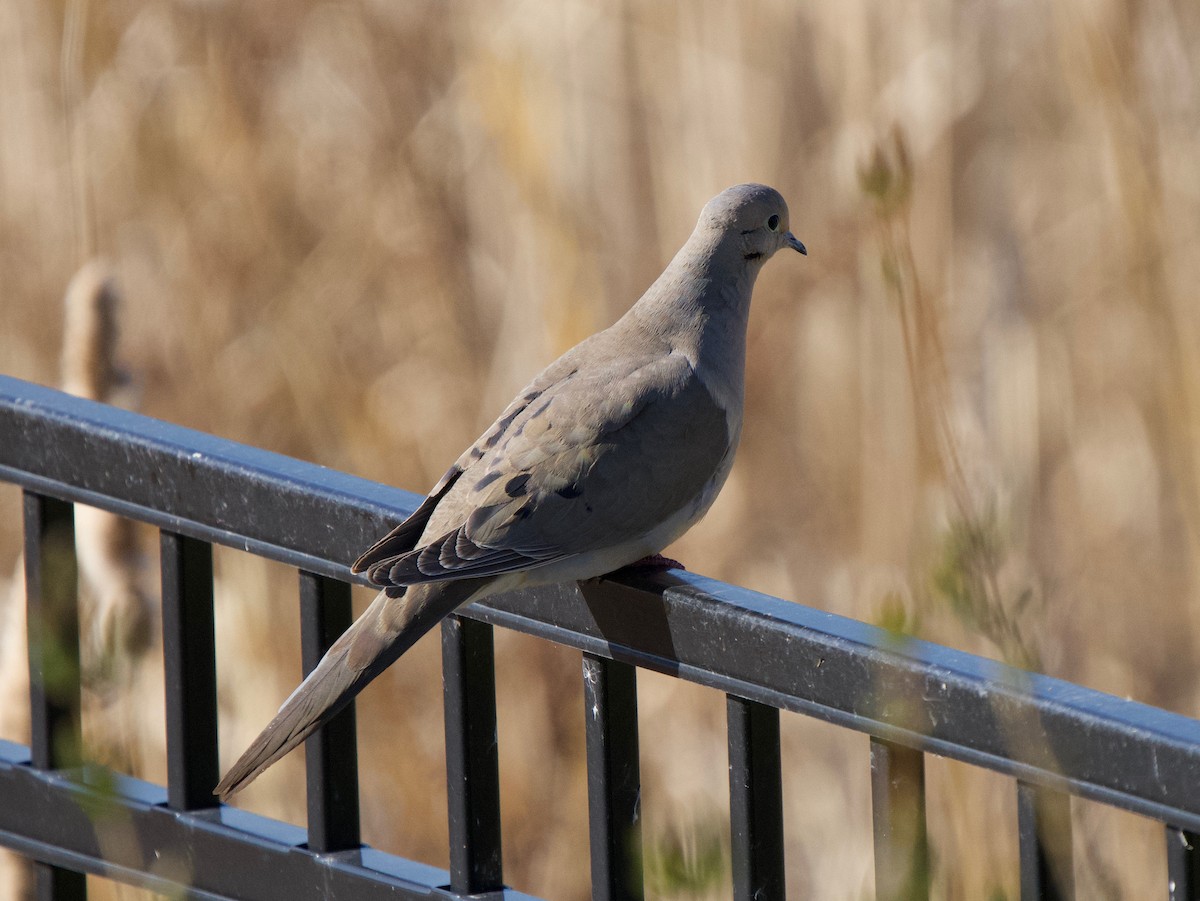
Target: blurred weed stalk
{"type": "Point", "coordinates": [691, 860]}
{"type": "Point", "coordinates": [974, 544]}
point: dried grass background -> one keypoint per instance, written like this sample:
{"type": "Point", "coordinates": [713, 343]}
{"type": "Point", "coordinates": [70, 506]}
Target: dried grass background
{"type": "Point", "coordinates": [350, 231]}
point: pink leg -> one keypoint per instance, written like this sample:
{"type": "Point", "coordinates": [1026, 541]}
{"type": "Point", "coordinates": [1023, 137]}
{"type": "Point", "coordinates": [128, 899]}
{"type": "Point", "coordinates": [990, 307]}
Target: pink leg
{"type": "Point", "coordinates": [657, 562]}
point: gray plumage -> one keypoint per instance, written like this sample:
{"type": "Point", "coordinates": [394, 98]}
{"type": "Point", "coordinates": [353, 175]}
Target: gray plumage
{"type": "Point", "coordinates": [606, 457]}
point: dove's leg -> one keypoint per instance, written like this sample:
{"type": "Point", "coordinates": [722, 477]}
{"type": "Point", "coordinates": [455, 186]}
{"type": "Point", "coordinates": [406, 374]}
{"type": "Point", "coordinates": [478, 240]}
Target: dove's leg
{"type": "Point", "coordinates": [657, 563]}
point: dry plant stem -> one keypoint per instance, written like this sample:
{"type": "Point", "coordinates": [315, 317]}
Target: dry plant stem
{"type": "Point", "coordinates": [71, 73]}
{"type": "Point", "coordinates": [928, 375]}
{"type": "Point", "coordinates": [116, 614]}
{"type": "Point", "coordinates": [1134, 139]}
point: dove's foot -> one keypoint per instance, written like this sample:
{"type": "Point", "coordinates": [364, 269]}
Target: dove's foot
{"type": "Point", "coordinates": [656, 562]}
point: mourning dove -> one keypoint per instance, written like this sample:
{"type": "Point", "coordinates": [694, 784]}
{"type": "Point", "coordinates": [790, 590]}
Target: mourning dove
{"type": "Point", "coordinates": [610, 454]}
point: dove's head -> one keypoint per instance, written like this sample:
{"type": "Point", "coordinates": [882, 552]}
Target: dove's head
{"type": "Point", "coordinates": [751, 220]}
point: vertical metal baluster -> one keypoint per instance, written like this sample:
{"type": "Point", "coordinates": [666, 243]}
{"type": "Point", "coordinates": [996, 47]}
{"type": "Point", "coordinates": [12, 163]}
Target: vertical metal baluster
{"type": "Point", "coordinates": [52, 603]}
{"type": "Point", "coordinates": [755, 801]}
{"type": "Point", "coordinates": [190, 670]}
{"type": "Point", "coordinates": [472, 756]}
{"type": "Point", "coordinates": [1044, 824]}
{"type": "Point", "coordinates": [1183, 865]}
{"type": "Point", "coordinates": [898, 812]}
{"type": "Point", "coordinates": [614, 779]}
{"type": "Point", "coordinates": [51, 587]}
{"type": "Point", "coordinates": [331, 754]}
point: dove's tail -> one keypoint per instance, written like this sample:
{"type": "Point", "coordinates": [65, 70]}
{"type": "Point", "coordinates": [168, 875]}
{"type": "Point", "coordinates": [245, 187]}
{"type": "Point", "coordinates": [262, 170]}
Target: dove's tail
{"type": "Point", "coordinates": [388, 628]}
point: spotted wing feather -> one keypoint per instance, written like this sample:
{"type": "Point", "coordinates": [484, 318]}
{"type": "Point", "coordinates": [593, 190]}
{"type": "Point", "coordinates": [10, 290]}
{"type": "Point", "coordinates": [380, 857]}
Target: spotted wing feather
{"type": "Point", "coordinates": [571, 473]}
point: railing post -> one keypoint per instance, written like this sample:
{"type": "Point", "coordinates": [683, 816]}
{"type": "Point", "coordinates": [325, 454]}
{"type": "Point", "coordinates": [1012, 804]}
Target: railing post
{"type": "Point", "coordinates": [755, 801]}
{"type": "Point", "coordinates": [1044, 824]}
{"type": "Point", "coordinates": [898, 810]}
{"type": "Point", "coordinates": [898, 813]}
{"type": "Point", "coordinates": [190, 672]}
{"type": "Point", "coordinates": [614, 779]}
{"type": "Point", "coordinates": [472, 756]}
{"type": "Point", "coordinates": [331, 754]}
{"type": "Point", "coordinates": [51, 588]}
{"type": "Point", "coordinates": [52, 605]}
{"type": "Point", "coordinates": [1183, 865]}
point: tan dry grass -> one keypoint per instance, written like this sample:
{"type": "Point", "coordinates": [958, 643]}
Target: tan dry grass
{"type": "Point", "coordinates": [348, 231]}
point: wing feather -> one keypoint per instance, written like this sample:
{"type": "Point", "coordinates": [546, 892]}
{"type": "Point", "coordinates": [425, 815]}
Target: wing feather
{"type": "Point", "coordinates": [602, 457]}
{"type": "Point", "coordinates": [405, 536]}
{"type": "Point", "coordinates": [452, 557]}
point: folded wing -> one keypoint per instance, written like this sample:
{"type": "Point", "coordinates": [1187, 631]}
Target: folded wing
{"type": "Point", "coordinates": [580, 464]}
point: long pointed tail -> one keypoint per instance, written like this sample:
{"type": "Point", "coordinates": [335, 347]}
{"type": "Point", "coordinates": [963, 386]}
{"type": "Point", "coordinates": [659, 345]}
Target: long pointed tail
{"type": "Point", "coordinates": [388, 628]}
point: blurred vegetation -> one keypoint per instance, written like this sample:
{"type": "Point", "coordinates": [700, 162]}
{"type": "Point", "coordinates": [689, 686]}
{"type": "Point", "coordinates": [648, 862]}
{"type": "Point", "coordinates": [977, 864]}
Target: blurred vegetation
{"type": "Point", "coordinates": [689, 864]}
{"type": "Point", "coordinates": [348, 231]}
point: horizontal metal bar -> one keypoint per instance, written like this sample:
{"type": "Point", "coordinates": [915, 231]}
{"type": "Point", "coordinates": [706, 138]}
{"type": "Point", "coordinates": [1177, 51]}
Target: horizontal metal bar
{"type": "Point", "coordinates": [191, 482]}
{"type": "Point", "coordinates": [121, 828]}
{"type": "Point", "coordinates": [1041, 730]}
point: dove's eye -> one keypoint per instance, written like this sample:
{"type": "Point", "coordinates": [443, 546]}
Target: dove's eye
{"type": "Point", "coordinates": [773, 223]}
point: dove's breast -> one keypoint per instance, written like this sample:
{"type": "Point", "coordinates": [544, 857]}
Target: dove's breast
{"type": "Point", "coordinates": [598, 561]}
{"type": "Point", "coordinates": [606, 560]}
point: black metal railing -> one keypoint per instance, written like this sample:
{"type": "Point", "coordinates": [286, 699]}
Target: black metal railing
{"type": "Point", "coordinates": [1055, 739]}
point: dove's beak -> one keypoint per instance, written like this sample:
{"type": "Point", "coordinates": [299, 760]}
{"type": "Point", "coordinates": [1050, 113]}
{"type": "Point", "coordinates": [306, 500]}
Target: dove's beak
{"type": "Point", "coordinates": [794, 243]}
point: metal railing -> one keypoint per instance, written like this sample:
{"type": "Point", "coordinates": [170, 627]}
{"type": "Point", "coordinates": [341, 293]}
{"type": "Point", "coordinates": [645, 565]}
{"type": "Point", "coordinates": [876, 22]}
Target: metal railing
{"type": "Point", "coordinates": [1055, 739]}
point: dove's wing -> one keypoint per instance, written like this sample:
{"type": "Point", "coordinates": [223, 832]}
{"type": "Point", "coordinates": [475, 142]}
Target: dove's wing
{"type": "Point", "coordinates": [581, 463]}
{"type": "Point", "coordinates": [405, 536]}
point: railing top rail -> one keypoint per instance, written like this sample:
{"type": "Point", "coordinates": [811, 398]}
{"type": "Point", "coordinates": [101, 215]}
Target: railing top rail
{"type": "Point", "coordinates": [1037, 728]}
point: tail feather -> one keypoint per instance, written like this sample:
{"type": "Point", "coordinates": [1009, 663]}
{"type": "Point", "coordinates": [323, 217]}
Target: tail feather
{"type": "Point", "coordinates": [388, 628]}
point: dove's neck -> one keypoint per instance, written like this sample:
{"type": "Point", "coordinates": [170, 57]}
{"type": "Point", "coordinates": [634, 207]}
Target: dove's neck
{"type": "Point", "coordinates": [700, 306]}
